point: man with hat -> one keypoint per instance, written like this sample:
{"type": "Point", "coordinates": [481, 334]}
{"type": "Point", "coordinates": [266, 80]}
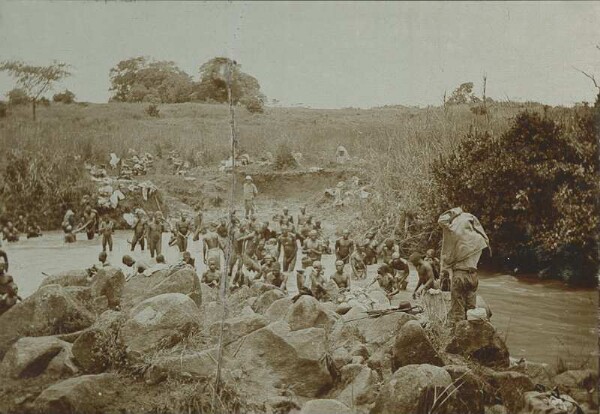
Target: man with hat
{"type": "Point", "coordinates": [250, 192]}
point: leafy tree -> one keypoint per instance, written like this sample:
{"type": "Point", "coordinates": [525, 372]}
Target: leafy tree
{"type": "Point", "coordinates": [35, 80]}
{"type": "Point", "coordinates": [462, 95]}
{"type": "Point", "coordinates": [245, 89]}
{"type": "Point", "coordinates": [66, 97]}
{"type": "Point", "coordinates": [18, 96]}
{"type": "Point", "coordinates": [534, 189]}
{"type": "Point", "coordinates": [142, 80]}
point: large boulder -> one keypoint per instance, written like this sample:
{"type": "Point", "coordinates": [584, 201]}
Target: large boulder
{"type": "Point", "coordinates": [470, 390]}
{"type": "Point", "coordinates": [478, 340]}
{"type": "Point", "coordinates": [266, 299]}
{"type": "Point", "coordinates": [93, 348]}
{"type": "Point", "coordinates": [581, 384]}
{"type": "Point", "coordinates": [180, 280]}
{"type": "Point", "coordinates": [325, 407]}
{"type": "Point", "coordinates": [374, 331]}
{"type": "Point", "coordinates": [412, 346]}
{"type": "Point", "coordinates": [308, 313]}
{"type": "Point", "coordinates": [31, 356]}
{"type": "Point", "coordinates": [196, 365]}
{"type": "Point", "coordinates": [108, 282]}
{"type": "Point", "coordinates": [85, 394]}
{"type": "Point", "coordinates": [278, 309]}
{"type": "Point", "coordinates": [237, 328]}
{"type": "Point", "coordinates": [159, 322]}
{"type": "Point", "coordinates": [509, 387]}
{"type": "Point", "coordinates": [276, 356]}
{"type": "Point", "coordinates": [405, 389]}
{"type": "Point", "coordinates": [360, 388]}
{"type": "Point", "coordinates": [546, 403]}
{"type": "Point", "coordinates": [51, 310]}
{"type": "Point", "coordinates": [76, 277]}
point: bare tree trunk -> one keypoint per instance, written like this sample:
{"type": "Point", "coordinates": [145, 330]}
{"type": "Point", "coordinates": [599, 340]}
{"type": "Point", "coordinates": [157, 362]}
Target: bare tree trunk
{"type": "Point", "coordinates": [33, 103]}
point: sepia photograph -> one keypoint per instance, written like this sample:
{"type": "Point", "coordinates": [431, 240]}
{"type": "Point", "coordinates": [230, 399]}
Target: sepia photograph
{"type": "Point", "coordinates": [299, 207]}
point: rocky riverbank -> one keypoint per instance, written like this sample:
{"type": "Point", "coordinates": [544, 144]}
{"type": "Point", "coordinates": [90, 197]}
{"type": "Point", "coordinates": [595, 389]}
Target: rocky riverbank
{"type": "Point", "coordinates": [151, 345]}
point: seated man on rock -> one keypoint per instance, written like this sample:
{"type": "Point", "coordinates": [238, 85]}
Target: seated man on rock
{"type": "Point", "coordinates": [187, 259]}
{"type": "Point", "coordinates": [340, 277]}
{"type": "Point", "coordinates": [425, 273]}
{"type": "Point", "coordinates": [212, 275]}
{"type": "Point", "coordinates": [276, 278]}
{"type": "Point", "coordinates": [102, 262]}
{"type": "Point", "coordinates": [317, 281]}
{"type": "Point", "coordinates": [137, 267]}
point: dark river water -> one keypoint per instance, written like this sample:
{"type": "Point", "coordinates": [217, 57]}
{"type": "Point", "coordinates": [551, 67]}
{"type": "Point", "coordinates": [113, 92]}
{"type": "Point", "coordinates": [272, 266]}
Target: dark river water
{"type": "Point", "coordinates": [542, 321]}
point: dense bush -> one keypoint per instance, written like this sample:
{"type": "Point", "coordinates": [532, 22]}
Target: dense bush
{"type": "Point", "coordinates": [18, 96]}
{"type": "Point", "coordinates": [153, 111]}
{"type": "Point", "coordinates": [284, 159]}
{"type": "Point", "coordinates": [66, 97]}
{"type": "Point", "coordinates": [535, 190]}
{"type": "Point", "coordinates": [41, 185]}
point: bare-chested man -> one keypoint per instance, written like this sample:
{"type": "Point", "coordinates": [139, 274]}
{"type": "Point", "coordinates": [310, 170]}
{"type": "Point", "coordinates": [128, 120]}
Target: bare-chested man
{"type": "Point", "coordinates": [154, 233]}
{"type": "Point", "coordinates": [312, 248]}
{"type": "Point", "coordinates": [212, 247]}
{"type": "Point", "coordinates": [302, 217]}
{"type": "Point", "coordinates": [212, 275]}
{"type": "Point", "coordinates": [387, 250]}
{"type": "Point", "coordinates": [183, 230]}
{"type": "Point", "coordinates": [276, 278]}
{"type": "Point", "coordinates": [106, 231]}
{"type": "Point", "coordinates": [401, 271]}
{"type": "Point", "coordinates": [424, 271]}
{"type": "Point", "coordinates": [357, 263]}
{"type": "Point", "coordinates": [139, 230]}
{"type": "Point", "coordinates": [287, 243]}
{"type": "Point", "coordinates": [344, 246]}
{"type": "Point", "coordinates": [317, 281]}
{"type": "Point", "coordinates": [198, 224]}
{"type": "Point", "coordinates": [340, 277]}
{"type": "Point", "coordinates": [286, 218]}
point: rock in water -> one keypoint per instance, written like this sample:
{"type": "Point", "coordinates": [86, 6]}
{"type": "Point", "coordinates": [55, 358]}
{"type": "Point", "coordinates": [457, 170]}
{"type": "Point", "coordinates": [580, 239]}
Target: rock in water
{"type": "Point", "coordinates": [405, 388]}
{"type": "Point", "coordinates": [325, 407]}
{"type": "Point", "coordinates": [140, 288]}
{"type": "Point", "coordinates": [479, 340]}
{"type": "Point", "coordinates": [412, 346]}
{"type": "Point", "coordinates": [51, 310]}
{"type": "Point", "coordinates": [159, 322]}
{"type": "Point", "coordinates": [85, 394]}
{"type": "Point", "coordinates": [266, 299]}
{"type": "Point", "coordinates": [30, 357]}
{"type": "Point", "coordinates": [109, 282]}
{"type": "Point", "coordinates": [76, 277]}
{"type": "Point", "coordinates": [307, 313]}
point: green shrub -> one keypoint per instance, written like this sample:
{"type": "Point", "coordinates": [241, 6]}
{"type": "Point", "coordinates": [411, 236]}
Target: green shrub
{"type": "Point", "coordinates": [534, 188]}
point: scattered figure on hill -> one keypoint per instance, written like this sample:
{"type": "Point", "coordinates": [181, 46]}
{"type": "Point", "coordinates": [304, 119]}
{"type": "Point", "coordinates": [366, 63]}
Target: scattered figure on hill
{"type": "Point", "coordinates": [137, 267]}
{"type": "Point", "coordinates": [275, 278]}
{"type": "Point", "coordinates": [401, 270]}
{"type": "Point", "coordinates": [288, 243]}
{"type": "Point", "coordinates": [340, 277]}
{"type": "Point", "coordinates": [154, 231]}
{"type": "Point", "coordinates": [357, 262]}
{"type": "Point", "coordinates": [312, 249]}
{"type": "Point", "coordinates": [424, 272]}
{"type": "Point", "coordinates": [139, 230]}
{"type": "Point", "coordinates": [198, 224]}
{"type": "Point", "coordinates": [212, 275]}
{"type": "Point", "coordinates": [344, 246]}
{"type": "Point", "coordinates": [463, 240]}
{"type": "Point", "coordinates": [106, 231]}
{"type": "Point", "coordinates": [187, 259]}
{"type": "Point", "coordinates": [10, 232]}
{"type": "Point", "coordinates": [341, 155]}
{"type": "Point", "coordinates": [250, 193]}
{"type": "Point", "coordinates": [212, 247]}
{"type": "Point", "coordinates": [34, 230]}
{"type": "Point", "coordinates": [21, 224]}
{"type": "Point", "coordinates": [183, 230]}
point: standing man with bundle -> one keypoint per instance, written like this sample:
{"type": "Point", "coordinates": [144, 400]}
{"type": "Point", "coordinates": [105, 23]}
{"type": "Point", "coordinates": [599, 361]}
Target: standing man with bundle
{"type": "Point", "coordinates": [250, 192]}
{"type": "Point", "coordinates": [463, 241]}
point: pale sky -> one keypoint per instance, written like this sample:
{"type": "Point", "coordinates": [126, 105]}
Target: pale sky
{"type": "Point", "coordinates": [323, 55]}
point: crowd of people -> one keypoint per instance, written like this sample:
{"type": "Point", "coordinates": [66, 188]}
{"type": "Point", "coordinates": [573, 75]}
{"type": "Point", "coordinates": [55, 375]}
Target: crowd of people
{"type": "Point", "coordinates": [11, 232]}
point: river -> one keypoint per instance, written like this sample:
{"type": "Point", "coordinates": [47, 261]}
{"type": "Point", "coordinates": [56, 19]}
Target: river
{"type": "Point", "coordinates": [541, 320]}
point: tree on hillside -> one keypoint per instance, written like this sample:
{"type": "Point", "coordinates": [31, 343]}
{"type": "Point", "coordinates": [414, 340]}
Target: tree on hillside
{"type": "Point", "coordinates": [66, 97]}
{"type": "Point", "coordinates": [142, 80]}
{"type": "Point", "coordinates": [17, 96]}
{"type": "Point", "coordinates": [463, 94]}
{"type": "Point", "coordinates": [35, 80]}
{"type": "Point", "coordinates": [245, 88]}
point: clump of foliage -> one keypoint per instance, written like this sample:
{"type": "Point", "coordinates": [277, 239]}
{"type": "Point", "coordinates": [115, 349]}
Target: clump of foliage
{"type": "Point", "coordinates": [463, 94]}
{"type": "Point", "coordinates": [140, 79]}
{"type": "Point", "coordinates": [284, 159]}
{"type": "Point", "coordinates": [39, 184]}
{"type": "Point", "coordinates": [18, 96]}
{"type": "Point", "coordinates": [3, 109]}
{"type": "Point", "coordinates": [66, 97]}
{"type": "Point", "coordinates": [535, 190]}
{"type": "Point", "coordinates": [153, 111]}
{"type": "Point", "coordinates": [255, 105]}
